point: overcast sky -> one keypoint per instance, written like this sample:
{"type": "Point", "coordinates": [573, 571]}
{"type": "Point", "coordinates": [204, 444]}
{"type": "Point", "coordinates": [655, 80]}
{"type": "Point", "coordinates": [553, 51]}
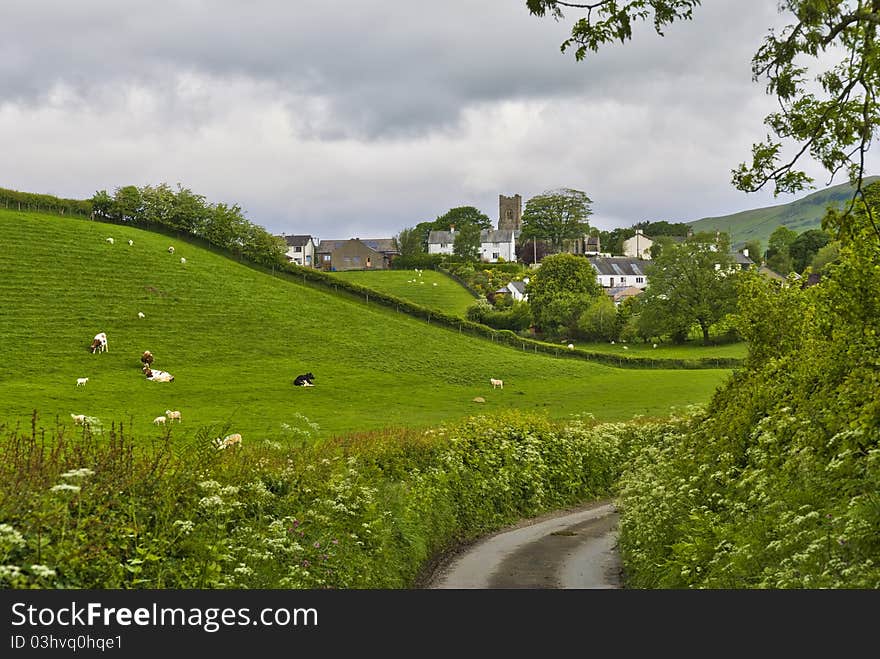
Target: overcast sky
{"type": "Point", "coordinates": [343, 119]}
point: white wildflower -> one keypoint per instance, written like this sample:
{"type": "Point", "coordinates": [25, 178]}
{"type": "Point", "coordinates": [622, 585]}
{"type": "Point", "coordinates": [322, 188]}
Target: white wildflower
{"type": "Point", "coordinates": [10, 538]}
{"type": "Point", "coordinates": [42, 571]}
{"type": "Point", "coordinates": [9, 572]}
{"type": "Point", "coordinates": [65, 487]}
{"type": "Point", "coordinates": [84, 472]}
{"type": "Point", "coordinates": [186, 526]}
{"type": "Point", "coordinates": [212, 501]}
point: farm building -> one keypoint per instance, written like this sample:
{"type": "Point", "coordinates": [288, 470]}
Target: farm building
{"type": "Point", "coordinates": [355, 254]}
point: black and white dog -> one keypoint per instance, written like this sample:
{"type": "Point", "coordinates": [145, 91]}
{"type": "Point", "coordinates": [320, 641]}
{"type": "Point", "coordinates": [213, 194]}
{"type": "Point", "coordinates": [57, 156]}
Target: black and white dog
{"type": "Point", "coordinates": [304, 380]}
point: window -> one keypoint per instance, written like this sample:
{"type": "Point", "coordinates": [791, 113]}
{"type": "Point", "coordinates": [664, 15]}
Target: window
{"type": "Point", "coordinates": [297, 249]}
{"type": "Point", "coordinates": [640, 280]}
{"type": "Point", "coordinates": [495, 255]}
{"type": "Point", "coordinates": [326, 258]}
{"type": "Point", "coordinates": [622, 281]}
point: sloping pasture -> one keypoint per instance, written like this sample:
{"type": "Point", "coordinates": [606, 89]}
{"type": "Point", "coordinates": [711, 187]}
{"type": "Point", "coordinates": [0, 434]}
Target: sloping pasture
{"type": "Point", "coordinates": [235, 337]}
{"type": "Point", "coordinates": [427, 288]}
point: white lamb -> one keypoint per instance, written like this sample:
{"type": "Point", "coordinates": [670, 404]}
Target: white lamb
{"type": "Point", "coordinates": [173, 414]}
{"type": "Point", "coordinates": [78, 419]}
{"type": "Point", "coordinates": [228, 441]}
{"type": "Point", "coordinates": [130, 243]}
{"type": "Point", "coordinates": [159, 420]}
{"type": "Point", "coordinates": [81, 382]}
{"type": "Point", "coordinates": [496, 383]}
{"type": "Point", "coordinates": [171, 249]}
{"type": "Point", "coordinates": [141, 314]}
{"type": "Point", "coordinates": [110, 240]}
{"type": "Point", "coordinates": [182, 260]}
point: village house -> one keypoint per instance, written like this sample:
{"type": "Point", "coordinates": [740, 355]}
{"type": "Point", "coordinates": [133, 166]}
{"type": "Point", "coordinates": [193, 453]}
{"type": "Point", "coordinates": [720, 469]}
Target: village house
{"type": "Point", "coordinates": [300, 249]}
{"type": "Point", "coordinates": [618, 271]}
{"type": "Point", "coordinates": [495, 244]}
{"type": "Point", "coordinates": [638, 247]}
{"type": "Point", "coordinates": [355, 254]}
{"type": "Point", "coordinates": [515, 289]}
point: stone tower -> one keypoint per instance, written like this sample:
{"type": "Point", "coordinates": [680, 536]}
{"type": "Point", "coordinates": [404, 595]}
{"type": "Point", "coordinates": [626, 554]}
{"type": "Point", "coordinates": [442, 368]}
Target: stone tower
{"type": "Point", "coordinates": [510, 212]}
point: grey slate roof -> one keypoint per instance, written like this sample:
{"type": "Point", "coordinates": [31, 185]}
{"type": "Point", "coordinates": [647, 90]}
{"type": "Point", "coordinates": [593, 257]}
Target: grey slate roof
{"type": "Point", "coordinates": [486, 236]}
{"type": "Point", "coordinates": [377, 244]}
{"type": "Point", "coordinates": [742, 259]}
{"type": "Point", "coordinates": [297, 241]}
{"type": "Point", "coordinates": [618, 265]}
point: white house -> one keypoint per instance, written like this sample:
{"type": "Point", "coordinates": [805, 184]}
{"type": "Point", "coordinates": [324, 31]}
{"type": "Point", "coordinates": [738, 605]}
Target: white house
{"type": "Point", "coordinates": [618, 271]}
{"type": "Point", "coordinates": [638, 247]}
{"type": "Point", "coordinates": [300, 249]}
{"type": "Point", "coordinates": [495, 244]}
{"type": "Point", "coordinates": [515, 289]}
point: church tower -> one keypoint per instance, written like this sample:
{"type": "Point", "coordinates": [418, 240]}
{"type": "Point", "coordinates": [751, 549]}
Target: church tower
{"type": "Point", "coordinates": [510, 212]}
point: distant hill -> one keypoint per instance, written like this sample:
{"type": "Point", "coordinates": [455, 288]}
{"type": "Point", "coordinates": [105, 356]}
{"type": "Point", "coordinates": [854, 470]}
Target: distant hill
{"type": "Point", "coordinates": [800, 215]}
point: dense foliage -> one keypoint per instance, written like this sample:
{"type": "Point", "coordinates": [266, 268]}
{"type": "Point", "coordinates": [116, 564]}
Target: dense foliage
{"type": "Point", "coordinates": [368, 511]}
{"type": "Point", "coordinates": [556, 216]}
{"type": "Point", "coordinates": [777, 483]}
{"type": "Point", "coordinates": [560, 290]}
{"type": "Point", "coordinates": [183, 211]}
{"type": "Point", "coordinates": [44, 203]}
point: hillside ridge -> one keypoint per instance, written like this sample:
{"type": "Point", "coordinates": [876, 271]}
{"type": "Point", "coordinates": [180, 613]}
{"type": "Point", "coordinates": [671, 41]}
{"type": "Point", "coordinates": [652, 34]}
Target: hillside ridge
{"type": "Point", "coordinates": [799, 215]}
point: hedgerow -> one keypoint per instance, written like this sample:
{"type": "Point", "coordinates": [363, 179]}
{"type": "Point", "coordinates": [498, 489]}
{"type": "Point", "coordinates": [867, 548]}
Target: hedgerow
{"type": "Point", "coordinates": [777, 483]}
{"type": "Point", "coordinates": [365, 511]}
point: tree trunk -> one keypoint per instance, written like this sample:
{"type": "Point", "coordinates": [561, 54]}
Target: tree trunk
{"type": "Point", "coordinates": [705, 328]}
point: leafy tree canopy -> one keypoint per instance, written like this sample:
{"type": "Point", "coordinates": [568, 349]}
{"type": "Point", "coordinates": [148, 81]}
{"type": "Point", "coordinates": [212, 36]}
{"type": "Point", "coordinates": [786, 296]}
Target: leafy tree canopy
{"type": "Point", "coordinates": [460, 217]}
{"type": "Point", "coordinates": [560, 290]}
{"type": "Point", "coordinates": [691, 283]}
{"type": "Point", "coordinates": [409, 242]}
{"type": "Point", "coordinates": [467, 242]}
{"type": "Point", "coordinates": [805, 246]}
{"type": "Point", "coordinates": [832, 115]}
{"type": "Point", "coordinates": [557, 216]}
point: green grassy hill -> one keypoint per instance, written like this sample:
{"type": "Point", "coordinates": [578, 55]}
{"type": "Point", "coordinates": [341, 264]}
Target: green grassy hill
{"type": "Point", "coordinates": [235, 337]}
{"type": "Point", "coordinates": [799, 216]}
{"type": "Point", "coordinates": [429, 289]}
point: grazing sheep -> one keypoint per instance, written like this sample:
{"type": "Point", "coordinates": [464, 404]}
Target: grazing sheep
{"type": "Point", "coordinates": [496, 383]}
{"type": "Point", "coordinates": [130, 243]}
{"type": "Point", "coordinates": [173, 414]}
{"type": "Point", "coordinates": [571, 346]}
{"type": "Point", "coordinates": [159, 420]}
{"type": "Point", "coordinates": [141, 314]}
{"type": "Point", "coordinates": [655, 345]}
{"type": "Point", "coordinates": [626, 347]}
{"type": "Point", "coordinates": [99, 343]}
{"type": "Point", "coordinates": [78, 419]}
{"type": "Point", "coordinates": [183, 260]}
{"type": "Point", "coordinates": [171, 249]}
{"type": "Point", "coordinates": [110, 240]}
{"type": "Point", "coordinates": [228, 441]}
{"type": "Point", "coordinates": [81, 382]}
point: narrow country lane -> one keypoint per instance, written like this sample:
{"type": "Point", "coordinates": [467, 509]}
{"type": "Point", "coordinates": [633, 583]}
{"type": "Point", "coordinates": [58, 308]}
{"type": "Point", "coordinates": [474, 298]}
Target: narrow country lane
{"type": "Point", "coordinates": [570, 549]}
